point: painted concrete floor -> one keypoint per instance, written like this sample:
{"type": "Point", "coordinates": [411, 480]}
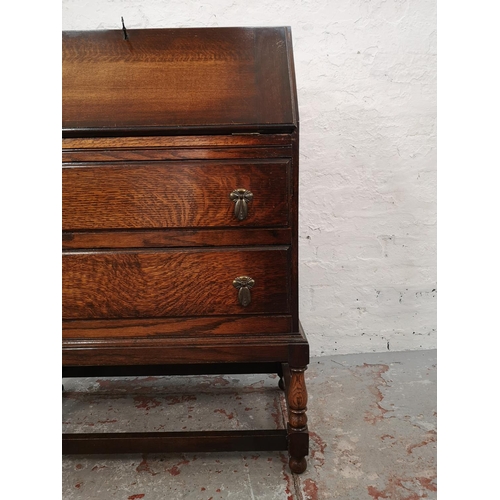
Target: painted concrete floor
{"type": "Point", "coordinates": [372, 421]}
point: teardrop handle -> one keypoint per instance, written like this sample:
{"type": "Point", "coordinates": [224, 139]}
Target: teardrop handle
{"type": "Point", "coordinates": [243, 284]}
{"type": "Point", "coordinates": [241, 198]}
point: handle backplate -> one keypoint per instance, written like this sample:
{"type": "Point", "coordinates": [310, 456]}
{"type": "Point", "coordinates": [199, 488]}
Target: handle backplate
{"type": "Point", "coordinates": [241, 198]}
{"type": "Point", "coordinates": [243, 284]}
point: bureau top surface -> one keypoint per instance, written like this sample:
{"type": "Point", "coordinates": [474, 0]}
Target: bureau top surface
{"type": "Point", "coordinates": [175, 81]}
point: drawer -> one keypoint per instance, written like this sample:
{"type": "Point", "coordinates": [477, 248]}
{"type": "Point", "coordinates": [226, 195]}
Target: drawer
{"type": "Point", "coordinates": [174, 283]}
{"type": "Point", "coordinates": [175, 194]}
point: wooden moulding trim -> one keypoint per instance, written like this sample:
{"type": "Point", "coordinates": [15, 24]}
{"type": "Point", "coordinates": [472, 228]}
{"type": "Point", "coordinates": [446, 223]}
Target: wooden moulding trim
{"type": "Point", "coordinates": [189, 142]}
{"type": "Point", "coordinates": [185, 327]}
{"type": "Point", "coordinates": [170, 154]}
{"type": "Point", "coordinates": [175, 238]}
{"type": "Point", "coordinates": [237, 342]}
{"type": "Point", "coordinates": [299, 352]}
{"type": "Point", "coordinates": [181, 351]}
{"type": "Point", "coordinates": [173, 355]}
{"type": "Point", "coordinates": [261, 129]}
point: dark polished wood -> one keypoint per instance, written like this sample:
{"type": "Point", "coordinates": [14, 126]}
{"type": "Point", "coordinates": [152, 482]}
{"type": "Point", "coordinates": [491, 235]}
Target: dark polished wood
{"type": "Point", "coordinates": [204, 144]}
{"type": "Point", "coordinates": [175, 154]}
{"type": "Point", "coordinates": [180, 219]}
{"type": "Point", "coordinates": [173, 195]}
{"type": "Point", "coordinates": [298, 435]}
{"type": "Point", "coordinates": [181, 350]}
{"type": "Point", "coordinates": [181, 326]}
{"type": "Point", "coordinates": [171, 442]}
{"type": "Point", "coordinates": [176, 80]}
{"type": "Point", "coordinates": [154, 284]}
{"type": "Point", "coordinates": [175, 238]}
{"type": "Point", "coordinates": [170, 369]}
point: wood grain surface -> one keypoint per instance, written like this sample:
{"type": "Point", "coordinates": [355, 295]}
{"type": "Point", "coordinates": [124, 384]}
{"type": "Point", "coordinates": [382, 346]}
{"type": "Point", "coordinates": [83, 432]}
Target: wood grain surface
{"type": "Point", "coordinates": [181, 350]}
{"type": "Point", "coordinates": [163, 80]}
{"type": "Point", "coordinates": [174, 154]}
{"type": "Point", "coordinates": [186, 327]}
{"type": "Point", "coordinates": [173, 194]}
{"type": "Point", "coordinates": [254, 141]}
{"type": "Point", "coordinates": [172, 238]}
{"type": "Point", "coordinates": [139, 284]}
{"type": "Point", "coordinates": [159, 128]}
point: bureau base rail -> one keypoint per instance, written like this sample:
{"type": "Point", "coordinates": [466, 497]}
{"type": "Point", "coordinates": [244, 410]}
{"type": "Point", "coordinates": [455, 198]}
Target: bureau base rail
{"type": "Point", "coordinates": [289, 361]}
{"type": "Point", "coordinates": [295, 438]}
{"type": "Point", "coordinates": [165, 442]}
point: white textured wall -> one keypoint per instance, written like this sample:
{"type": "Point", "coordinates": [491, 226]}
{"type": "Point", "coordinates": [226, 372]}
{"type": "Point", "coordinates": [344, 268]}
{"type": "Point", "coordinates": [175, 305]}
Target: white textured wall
{"type": "Point", "coordinates": [366, 76]}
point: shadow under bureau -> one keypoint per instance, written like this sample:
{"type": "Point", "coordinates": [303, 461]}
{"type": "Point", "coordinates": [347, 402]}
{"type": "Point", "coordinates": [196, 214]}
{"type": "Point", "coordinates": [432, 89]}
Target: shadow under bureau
{"type": "Point", "coordinates": [180, 219]}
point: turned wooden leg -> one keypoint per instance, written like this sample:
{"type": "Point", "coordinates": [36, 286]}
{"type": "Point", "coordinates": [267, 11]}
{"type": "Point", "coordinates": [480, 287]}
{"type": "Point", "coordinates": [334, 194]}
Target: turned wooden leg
{"type": "Point", "coordinates": [281, 383]}
{"type": "Point", "coordinates": [298, 435]}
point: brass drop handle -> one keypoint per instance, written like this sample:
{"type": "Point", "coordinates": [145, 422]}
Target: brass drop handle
{"type": "Point", "coordinates": [241, 198]}
{"type": "Point", "coordinates": [243, 284]}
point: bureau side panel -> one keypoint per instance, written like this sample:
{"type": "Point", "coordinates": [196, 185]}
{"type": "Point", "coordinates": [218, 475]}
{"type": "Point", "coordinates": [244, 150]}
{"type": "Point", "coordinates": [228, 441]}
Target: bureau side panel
{"type": "Point", "coordinates": [294, 226]}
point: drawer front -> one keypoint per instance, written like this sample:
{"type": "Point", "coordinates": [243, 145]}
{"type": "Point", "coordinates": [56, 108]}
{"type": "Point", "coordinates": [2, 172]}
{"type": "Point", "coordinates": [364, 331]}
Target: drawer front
{"type": "Point", "coordinates": [176, 194]}
{"type": "Point", "coordinates": [170, 283]}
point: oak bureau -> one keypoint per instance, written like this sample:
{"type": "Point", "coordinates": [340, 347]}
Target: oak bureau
{"type": "Point", "coordinates": [180, 219]}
